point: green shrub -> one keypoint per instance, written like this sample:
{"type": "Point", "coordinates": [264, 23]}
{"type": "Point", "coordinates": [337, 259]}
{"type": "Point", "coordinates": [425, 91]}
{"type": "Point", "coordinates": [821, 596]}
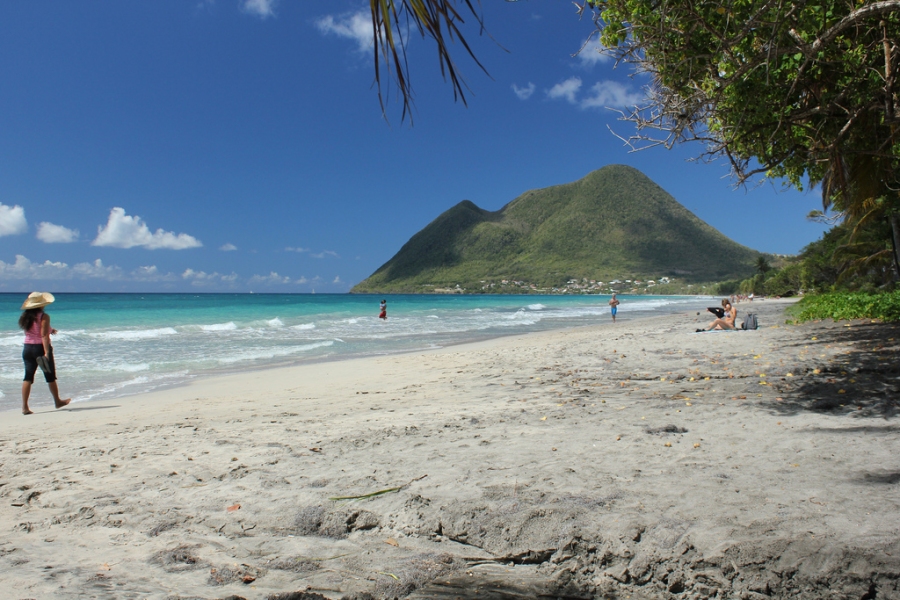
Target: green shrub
{"type": "Point", "coordinates": [849, 305]}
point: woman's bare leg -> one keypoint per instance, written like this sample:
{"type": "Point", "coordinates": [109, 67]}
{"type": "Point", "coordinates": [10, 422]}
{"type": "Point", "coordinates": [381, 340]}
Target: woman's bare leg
{"type": "Point", "coordinates": [720, 324]}
{"type": "Point", "coordinates": [54, 389]}
{"type": "Point", "coordinates": [26, 393]}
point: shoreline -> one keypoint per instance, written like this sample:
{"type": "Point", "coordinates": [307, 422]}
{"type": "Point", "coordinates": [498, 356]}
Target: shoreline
{"type": "Point", "coordinates": [168, 381]}
{"type": "Point", "coordinates": [638, 459]}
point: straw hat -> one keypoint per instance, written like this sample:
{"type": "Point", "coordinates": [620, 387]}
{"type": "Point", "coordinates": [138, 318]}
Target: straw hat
{"type": "Point", "coordinates": [37, 300]}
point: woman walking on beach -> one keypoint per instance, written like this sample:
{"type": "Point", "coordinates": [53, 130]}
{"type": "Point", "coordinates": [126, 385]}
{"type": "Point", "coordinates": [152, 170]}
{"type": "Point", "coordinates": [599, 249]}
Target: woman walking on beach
{"type": "Point", "coordinates": [38, 351]}
{"type": "Point", "coordinates": [382, 314]}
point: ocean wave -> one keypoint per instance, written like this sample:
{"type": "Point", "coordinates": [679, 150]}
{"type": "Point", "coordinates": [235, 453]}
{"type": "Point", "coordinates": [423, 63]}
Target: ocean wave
{"type": "Point", "coordinates": [146, 382]}
{"type": "Point", "coordinates": [523, 317]}
{"type": "Point", "coordinates": [251, 355]}
{"type": "Point", "coordinates": [130, 368]}
{"type": "Point", "coordinates": [276, 322]}
{"type": "Point", "coordinates": [111, 388]}
{"type": "Point", "coordinates": [660, 302]}
{"type": "Point", "coordinates": [230, 326]}
{"type": "Point", "coordinates": [536, 307]}
{"type": "Point", "coordinates": [138, 334]}
{"type": "Point", "coordinates": [16, 340]}
{"type": "Point", "coordinates": [304, 326]}
{"type": "Point", "coordinates": [68, 334]}
{"type": "Point", "coordinates": [518, 322]}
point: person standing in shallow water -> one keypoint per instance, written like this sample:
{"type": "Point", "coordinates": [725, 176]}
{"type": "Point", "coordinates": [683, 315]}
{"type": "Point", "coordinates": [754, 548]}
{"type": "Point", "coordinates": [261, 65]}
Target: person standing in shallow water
{"type": "Point", "coordinates": [383, 313]}
{"type": "Point", "coordinates": [38, 351]}
{"type": "Point", "coordinates": [614, 306]}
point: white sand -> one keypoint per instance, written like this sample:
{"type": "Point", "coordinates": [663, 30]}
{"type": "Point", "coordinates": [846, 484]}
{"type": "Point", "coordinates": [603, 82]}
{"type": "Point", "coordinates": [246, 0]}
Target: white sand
{"type": "Point", "coordinates": [528, 462]}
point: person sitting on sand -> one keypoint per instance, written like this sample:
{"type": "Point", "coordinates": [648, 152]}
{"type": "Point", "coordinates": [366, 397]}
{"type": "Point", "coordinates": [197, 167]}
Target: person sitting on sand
{"type": "Point", "coordinates": [36, 325]}
{"type": "Point", "coordinates": [726, 322]}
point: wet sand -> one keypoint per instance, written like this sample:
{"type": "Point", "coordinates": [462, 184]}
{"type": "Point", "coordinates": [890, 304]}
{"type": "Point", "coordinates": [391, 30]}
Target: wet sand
{"type": "Point", "coordinates": [638, 460]}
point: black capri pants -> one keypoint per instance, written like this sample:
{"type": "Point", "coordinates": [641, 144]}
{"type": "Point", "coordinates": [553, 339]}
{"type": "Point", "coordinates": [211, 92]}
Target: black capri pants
{"type": "Point", "coordinates": [30, 355]}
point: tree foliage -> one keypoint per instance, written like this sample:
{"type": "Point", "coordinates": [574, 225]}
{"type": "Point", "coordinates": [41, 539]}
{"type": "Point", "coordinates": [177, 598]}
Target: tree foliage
{"type": "Point", "coordinates": [788, 85]}
{"type": "Point", "coordinates": [803, 90]}
{"type": "Point", "coordinates": [846, 258]}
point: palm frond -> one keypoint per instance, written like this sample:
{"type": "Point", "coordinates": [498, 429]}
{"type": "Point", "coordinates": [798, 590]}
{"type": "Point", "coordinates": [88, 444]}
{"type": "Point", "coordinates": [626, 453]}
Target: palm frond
{"type": "Point", "coordinates": [439, 20]}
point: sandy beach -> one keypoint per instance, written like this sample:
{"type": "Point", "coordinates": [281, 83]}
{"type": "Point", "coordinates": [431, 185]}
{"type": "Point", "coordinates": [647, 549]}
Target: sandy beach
{"type": "Point", "coordinates": [641, 460]}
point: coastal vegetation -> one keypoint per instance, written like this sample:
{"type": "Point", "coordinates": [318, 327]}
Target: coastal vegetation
{"type": "Point", "coordinates": [612, 230]}
{"type": "Point", "coordinates": [844, 259]}
{"type": "Point", "coordinates": [847, 274]}
{"type": "Point", "coordinates": [848, 305]}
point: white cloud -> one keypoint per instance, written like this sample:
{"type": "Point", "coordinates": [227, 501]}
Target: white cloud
{"type": "Point", "coordinates": [356, 27]}
{"type": "Point", "coordinates": [149, 271]}
{"type": "Point", "coordinates": [302, 280]}
{"type": "Point", "coordinates": [271, 278]}
{"type": "Point", "coordinates": [200, 275]}
{"type": "Point", "coordinates": [60, 271]}
{"type": "Point", "coordinates": [337, 279]}
{"type": "Point", "coordinates": [523, 93]}
{"type": "Point", "coordinates": [568, 89]}
{"type": "Point", "coordinates": [202, 278]}
{"type": "Point", "coordinates": [325, 253]}
{"type": "Point", "coordinates": [122, 231]}
{"type": "Point", "coordinates": [611, 94]}
{"type": "Point", "coordinates": [49, 270]}
{"type": "Point", "coordinates": [97, 270]}
{"type": "Point", "coordinates": [292, 249]}
{"type": "Point", "coordinates": [25, 269]}
{"type": "Point", "coordinates": [592, 53]}
{"type": "Point", "coordinates": [260, 8]}
{"type": "Point", "coordinates": [228, 247]}
{"type": "Point", "coordinates": [56, 234]}
{"type": "Point", "coordinates": [604, 94]}
{"type": "Point", "coordinates": [12, 220]}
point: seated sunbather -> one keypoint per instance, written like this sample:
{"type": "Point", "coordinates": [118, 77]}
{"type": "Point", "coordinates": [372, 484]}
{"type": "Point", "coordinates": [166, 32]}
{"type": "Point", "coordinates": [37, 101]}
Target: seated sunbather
{"type": "Point", "coordinates": [726, 322]}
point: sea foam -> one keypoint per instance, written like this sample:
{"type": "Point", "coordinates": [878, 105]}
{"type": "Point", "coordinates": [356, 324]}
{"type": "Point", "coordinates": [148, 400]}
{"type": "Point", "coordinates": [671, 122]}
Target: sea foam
{"type": "Point", "coordinates": [230, 326]}
{"type": "Point", "coordinates": [135, 335]}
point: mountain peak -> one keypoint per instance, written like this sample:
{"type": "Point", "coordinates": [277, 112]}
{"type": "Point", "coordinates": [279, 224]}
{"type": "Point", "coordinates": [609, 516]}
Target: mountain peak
{"type": "Point", "coordinates": [614, 223]}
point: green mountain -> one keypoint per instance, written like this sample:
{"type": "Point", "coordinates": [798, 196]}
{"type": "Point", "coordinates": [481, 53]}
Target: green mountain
{"type": "Point", "coordinates": [613, 224]}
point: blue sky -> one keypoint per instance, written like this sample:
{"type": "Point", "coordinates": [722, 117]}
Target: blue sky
{"type": "Point", "coordinates": [238, 145]}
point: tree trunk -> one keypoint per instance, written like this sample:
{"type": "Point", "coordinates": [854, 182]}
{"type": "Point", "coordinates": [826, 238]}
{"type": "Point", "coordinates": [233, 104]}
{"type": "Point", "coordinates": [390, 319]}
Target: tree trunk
{"type": "Point", "coordinates": [894, 218]}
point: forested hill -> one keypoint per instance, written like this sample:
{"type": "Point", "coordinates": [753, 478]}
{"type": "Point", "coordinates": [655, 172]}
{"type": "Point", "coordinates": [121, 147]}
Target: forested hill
{"type": "Point", "coordinates": [613, 224]}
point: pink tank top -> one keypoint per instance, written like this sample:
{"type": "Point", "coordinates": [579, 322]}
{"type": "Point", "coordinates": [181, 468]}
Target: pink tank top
{"type": "Point", "coordinates": [33, 335]}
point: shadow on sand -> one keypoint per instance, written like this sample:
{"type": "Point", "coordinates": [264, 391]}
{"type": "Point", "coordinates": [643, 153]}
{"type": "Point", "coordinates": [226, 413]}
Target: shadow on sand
{"type": "Point", "coordinates": [865, 382]}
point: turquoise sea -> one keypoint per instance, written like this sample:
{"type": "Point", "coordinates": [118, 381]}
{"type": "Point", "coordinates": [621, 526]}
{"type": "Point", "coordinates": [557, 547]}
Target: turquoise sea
{"type": "Point", "coordinates": [115, 345]}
